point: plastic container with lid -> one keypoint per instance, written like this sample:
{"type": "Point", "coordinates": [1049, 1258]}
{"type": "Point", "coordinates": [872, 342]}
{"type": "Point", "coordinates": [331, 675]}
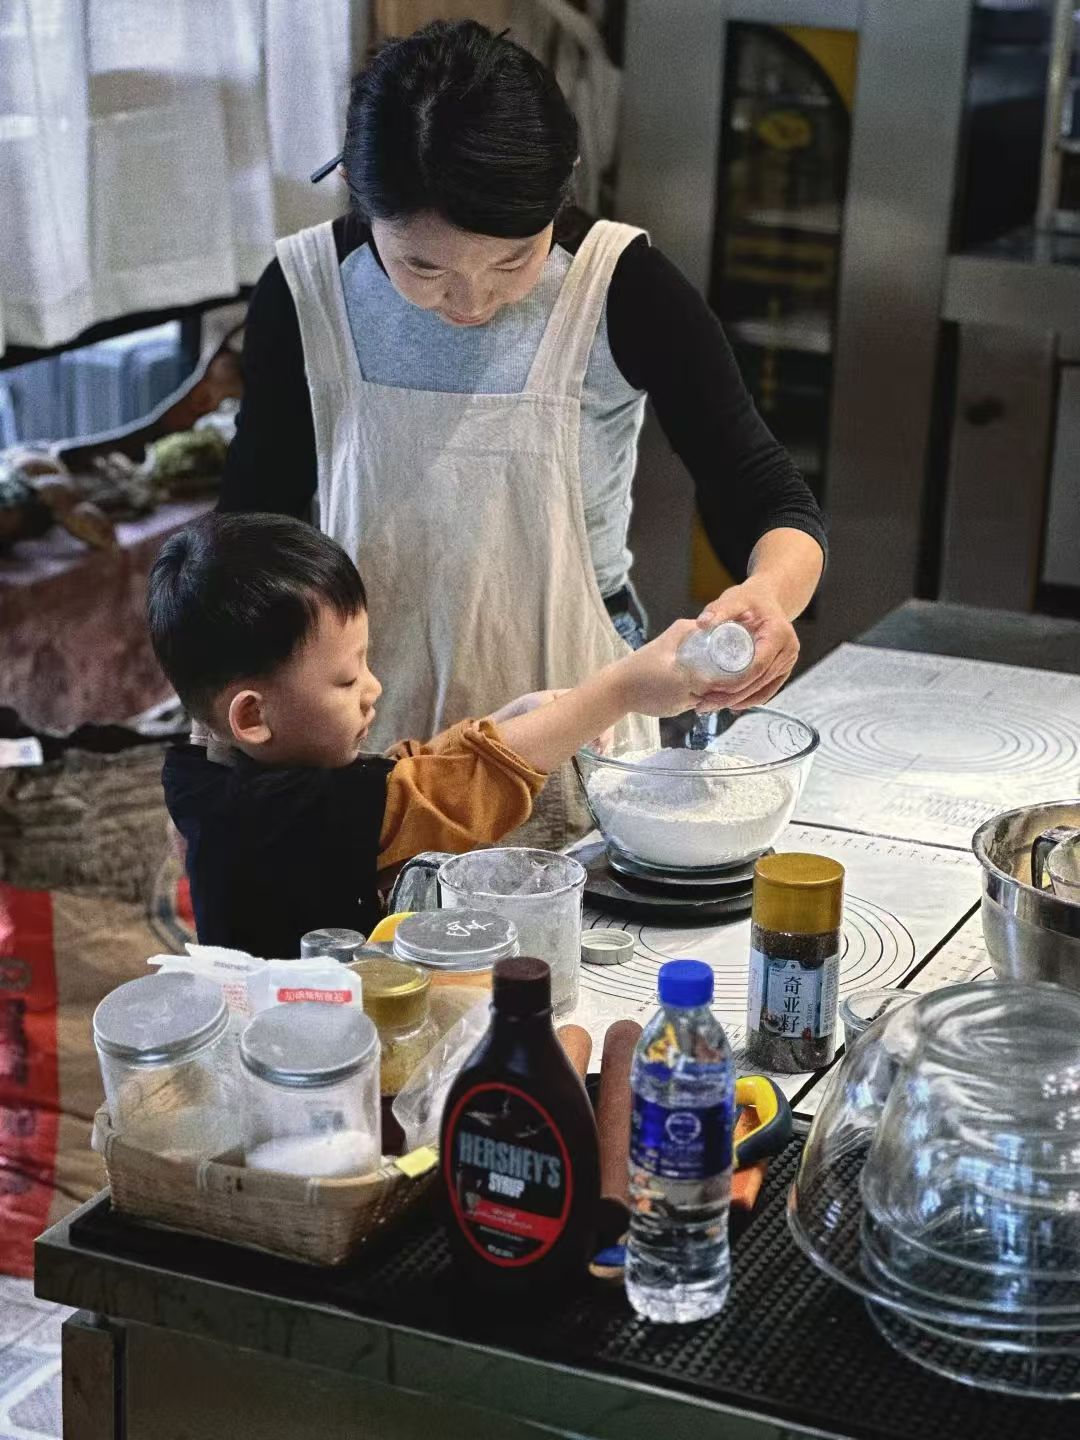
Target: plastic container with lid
{"type": "Point", "coordinates": [397, 998]}
{"type": "Point", "coordinates": [168, 1065]}
{"type": "Point", "coordinates": [311, 1075]}
{"type": "Point", "coordinates": [334, 943]}
{"type": "Point", "coordinates": [458, 947]}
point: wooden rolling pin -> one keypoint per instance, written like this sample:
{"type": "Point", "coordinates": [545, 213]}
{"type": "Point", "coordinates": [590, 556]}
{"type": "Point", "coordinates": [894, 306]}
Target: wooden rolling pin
{"type": "Point", "coordinates": [577, 1042]}
{"type": "Point", "coordinates": [613, 1108]}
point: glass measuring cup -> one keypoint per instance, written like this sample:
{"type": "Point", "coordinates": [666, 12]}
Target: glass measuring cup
{"type": "Point", "coordinates": [538, 890]}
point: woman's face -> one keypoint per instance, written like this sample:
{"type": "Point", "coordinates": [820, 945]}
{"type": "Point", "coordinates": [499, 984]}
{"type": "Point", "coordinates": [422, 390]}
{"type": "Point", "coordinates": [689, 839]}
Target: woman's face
{"type": "Point", "coordinates": [464, 278]}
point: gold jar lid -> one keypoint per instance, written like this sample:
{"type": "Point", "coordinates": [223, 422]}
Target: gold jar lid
{"type": "Point", "coordinates": [395, 993]}
{"type": "Point", "coordinates": [798, 894]}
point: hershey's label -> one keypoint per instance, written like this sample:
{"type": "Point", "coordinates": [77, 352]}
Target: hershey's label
{"type": "Point", "coordinates": [509, 1174]}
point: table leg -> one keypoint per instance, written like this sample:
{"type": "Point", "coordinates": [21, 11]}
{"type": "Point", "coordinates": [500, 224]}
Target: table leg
{"type": "Point", "coordinates": [91, 1352]}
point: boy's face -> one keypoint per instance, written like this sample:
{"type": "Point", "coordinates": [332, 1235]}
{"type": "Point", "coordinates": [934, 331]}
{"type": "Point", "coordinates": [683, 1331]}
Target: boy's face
{"type": "Point", "coordinates": [318, 707]}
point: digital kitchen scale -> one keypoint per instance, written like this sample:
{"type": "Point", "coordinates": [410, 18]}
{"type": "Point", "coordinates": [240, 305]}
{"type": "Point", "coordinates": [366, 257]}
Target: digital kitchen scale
{"type": "Point", "coordinates": [619, 885]}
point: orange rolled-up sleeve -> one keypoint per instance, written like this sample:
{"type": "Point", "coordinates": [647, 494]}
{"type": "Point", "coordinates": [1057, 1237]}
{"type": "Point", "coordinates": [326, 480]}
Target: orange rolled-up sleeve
{"type": "Point", "coordinates": [462, 789]}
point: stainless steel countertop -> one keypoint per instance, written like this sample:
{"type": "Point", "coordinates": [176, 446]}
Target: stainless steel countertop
{"type": "Point", "coordinates": [1025, 280]}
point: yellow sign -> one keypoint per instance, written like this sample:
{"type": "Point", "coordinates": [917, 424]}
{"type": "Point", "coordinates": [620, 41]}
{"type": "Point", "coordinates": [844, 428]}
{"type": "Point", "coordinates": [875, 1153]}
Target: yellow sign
{"type": "Point", "coordinates": [785, 130]}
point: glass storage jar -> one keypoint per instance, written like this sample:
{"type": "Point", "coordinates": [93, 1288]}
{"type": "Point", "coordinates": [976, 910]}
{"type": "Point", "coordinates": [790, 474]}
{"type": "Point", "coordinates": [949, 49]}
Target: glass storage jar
{"type": "Point", "coordinates": [397, 996]}
{"type": "Point", "coordinates": [311, 1075]}
{"type": "Point", "coordinates": [791, 1012]}
{"type": "Point", "coordinates": [458, 947]}
{"type": "Point", "coordinates": [168, 1065]}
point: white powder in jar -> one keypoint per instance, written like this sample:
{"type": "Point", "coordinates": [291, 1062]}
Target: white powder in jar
{"type": "Point", "coordinates": [702, 816]}
{"type": "Point", "coordinates": [338, 1153]}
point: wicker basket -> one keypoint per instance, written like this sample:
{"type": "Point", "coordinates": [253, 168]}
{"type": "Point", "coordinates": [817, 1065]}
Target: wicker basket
{"type": "Point", "coordinates": [324, 1222]}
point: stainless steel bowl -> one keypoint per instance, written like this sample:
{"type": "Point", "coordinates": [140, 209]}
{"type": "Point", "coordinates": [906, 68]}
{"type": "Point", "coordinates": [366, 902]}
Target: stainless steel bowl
{"type": "Point", "coordinates": [1031, 934]}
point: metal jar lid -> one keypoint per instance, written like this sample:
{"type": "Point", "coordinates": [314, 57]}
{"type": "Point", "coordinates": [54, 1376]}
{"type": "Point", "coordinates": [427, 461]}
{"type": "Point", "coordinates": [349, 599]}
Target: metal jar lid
{"type": "Point", "coordinates": [731, 648]}
{"type": "Point", "coordinates": [395, 992]}
{"type": "Point", "coordinates": [335, 944]}
{"type": "Point", "coordinates": [309, 1044]}
{"type": "Point", "coordinates": [797, 894]}
{"type": "Point", "coordinates": [606, 947]}
{"type": "Point", "coordinates": [160, 1019]}
{"type": "Point", "coordinates": [456, 939]}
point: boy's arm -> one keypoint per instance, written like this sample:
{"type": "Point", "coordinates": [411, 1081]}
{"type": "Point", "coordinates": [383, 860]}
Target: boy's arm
{"type": "Point", "coordinates": [649, 680]}
{"type": "Point", "coordinates": [465, 788]}
{"type": "Point", "coordinates": [476, 782]}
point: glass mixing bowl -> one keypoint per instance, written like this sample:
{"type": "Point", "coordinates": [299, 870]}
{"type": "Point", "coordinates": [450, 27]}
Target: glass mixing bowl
{"type": "Point", "coordinates": [973, 1177]}
{"type": "Point", "coordinates": [941, 1180]}
{"type": "Point", "coordinates": [859, 1010]}
{"type": "Point", "coordinates": [711, 797]}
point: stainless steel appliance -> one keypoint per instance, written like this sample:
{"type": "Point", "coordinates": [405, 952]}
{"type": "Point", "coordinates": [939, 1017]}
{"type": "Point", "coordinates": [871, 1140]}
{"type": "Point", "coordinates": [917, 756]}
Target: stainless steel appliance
{"type": "Point", "coordinates": [1031, 933]}
{"type": "Point", "coordinates": [872, 356]}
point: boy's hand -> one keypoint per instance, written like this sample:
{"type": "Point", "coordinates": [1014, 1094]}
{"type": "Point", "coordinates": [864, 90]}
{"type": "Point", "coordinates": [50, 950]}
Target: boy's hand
{"type": "Point", "coordinates": [654, 681]}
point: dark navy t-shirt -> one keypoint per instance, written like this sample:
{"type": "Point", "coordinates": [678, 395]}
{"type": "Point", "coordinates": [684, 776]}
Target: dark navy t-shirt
{"type": "Point", "coordinates": [274, 853]}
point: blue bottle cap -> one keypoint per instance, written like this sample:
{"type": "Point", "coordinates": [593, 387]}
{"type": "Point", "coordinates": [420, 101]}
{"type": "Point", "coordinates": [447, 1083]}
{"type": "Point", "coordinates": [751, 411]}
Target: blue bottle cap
{"type": "Point", "coordinates": [686, 983]}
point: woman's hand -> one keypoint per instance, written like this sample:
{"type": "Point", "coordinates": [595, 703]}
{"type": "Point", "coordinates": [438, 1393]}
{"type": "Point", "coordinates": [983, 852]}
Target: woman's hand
{"type": "Point", "coordinates": [776, 646]}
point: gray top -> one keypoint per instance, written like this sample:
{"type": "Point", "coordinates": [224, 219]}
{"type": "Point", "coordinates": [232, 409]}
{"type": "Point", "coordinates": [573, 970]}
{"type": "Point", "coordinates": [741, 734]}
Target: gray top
{"type": "Point", "coordinates": [402, 346]}
{"type": "Point", "coordinates": [160, 1019]}
{"type": "Point", "coordinates": [456, 939]}
{"type": "Point", "coordinates": [308, 1044]}
{"type": "Point", "coordinates": [335, 944]}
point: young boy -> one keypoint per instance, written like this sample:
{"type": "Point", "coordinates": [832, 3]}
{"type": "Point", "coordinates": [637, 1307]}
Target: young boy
{"type": "Point", "coordinates": [260, 624]}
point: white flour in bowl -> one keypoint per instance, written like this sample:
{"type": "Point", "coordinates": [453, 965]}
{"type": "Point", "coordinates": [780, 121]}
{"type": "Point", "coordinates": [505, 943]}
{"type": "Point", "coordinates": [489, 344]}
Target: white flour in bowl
{"type": "Point", "coordinates": [709, 818]}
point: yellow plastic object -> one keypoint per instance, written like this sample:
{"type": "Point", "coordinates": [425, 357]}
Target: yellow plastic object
{"type": "Point", "coordinates": [771, 1128]}
{"type": "Point", "coordinates": [417, 1162]}
{"type": "Point", "coordinates": [386, 929]}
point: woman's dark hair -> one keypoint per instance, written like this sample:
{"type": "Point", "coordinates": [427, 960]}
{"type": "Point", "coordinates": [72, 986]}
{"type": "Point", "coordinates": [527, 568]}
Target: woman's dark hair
{"type": "Point", "coordinates": [234, 596]}
{"type": "Point", "coordinates": [464, 124]}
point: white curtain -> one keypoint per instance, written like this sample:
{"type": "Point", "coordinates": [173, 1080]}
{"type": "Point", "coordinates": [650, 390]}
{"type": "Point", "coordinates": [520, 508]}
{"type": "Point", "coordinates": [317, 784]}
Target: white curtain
{"type": "Point", "coordinates": [152, 150]}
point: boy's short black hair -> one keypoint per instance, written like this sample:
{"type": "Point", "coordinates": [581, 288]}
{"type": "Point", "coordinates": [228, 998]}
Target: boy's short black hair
{"type": "Point", "coordinates": [233, 596]}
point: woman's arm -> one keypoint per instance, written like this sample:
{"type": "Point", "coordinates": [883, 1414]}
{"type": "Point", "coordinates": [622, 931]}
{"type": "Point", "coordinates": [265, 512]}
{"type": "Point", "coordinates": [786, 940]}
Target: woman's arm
{"type": "Point", "coordinates": [759, 513]}
{"type": "Point", "coordinates": [667, 342]}
{"type": "Point", "coordinates": [271, 461]}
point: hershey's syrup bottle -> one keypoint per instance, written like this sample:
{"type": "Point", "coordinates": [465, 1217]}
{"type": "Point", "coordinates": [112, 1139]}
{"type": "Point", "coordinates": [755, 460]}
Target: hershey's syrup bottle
{"type": "Point", "coordinates": [519, 1148]}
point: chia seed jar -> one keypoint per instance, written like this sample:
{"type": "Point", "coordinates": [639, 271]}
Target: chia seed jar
{"type": "Point", "coordinates": [792, 1005]}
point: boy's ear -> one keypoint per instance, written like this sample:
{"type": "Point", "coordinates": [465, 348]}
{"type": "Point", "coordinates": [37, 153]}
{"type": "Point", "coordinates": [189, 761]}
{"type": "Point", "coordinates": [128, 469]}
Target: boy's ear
{"type": "Point", "coordinates": [247, 724]}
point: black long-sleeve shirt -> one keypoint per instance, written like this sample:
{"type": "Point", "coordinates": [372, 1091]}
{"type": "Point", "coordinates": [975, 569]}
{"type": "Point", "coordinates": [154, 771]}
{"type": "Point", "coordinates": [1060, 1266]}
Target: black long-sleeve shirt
{"type": "Point", "coordinates": [665, 341]}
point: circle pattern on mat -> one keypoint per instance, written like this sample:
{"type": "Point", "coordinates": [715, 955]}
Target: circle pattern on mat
{"type": "Point", "coordinates": [883, 736]}
{"type": "Point", "coordinates": [877, 950]}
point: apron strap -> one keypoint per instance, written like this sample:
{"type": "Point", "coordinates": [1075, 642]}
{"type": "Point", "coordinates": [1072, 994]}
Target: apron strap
{"type": "Point", "coordinates": [563, 355]}
{"type": "Point", "coordinates": [310, 265]}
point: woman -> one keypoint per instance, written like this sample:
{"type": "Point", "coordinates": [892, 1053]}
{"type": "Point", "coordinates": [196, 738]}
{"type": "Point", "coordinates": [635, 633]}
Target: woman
{"type": "Point", "coordinates": [456, 373]}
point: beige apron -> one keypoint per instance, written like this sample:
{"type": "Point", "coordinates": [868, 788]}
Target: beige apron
{"type": "Point", "coordinates": [465, 516]}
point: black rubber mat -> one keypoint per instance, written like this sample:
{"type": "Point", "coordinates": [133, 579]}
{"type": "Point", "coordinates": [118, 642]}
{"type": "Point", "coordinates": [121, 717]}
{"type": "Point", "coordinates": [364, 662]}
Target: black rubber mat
{"type": "Point", "coordinates": [789, 1343]}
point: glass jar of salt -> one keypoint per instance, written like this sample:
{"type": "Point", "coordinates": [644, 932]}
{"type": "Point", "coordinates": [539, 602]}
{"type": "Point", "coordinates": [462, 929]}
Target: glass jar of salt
{"type": "Point", "coordinates": [312, 1083]}
{"type": "Point", "coordinates": [791, 1016]}
{"type": "Point", "coordinates": [721, 653]}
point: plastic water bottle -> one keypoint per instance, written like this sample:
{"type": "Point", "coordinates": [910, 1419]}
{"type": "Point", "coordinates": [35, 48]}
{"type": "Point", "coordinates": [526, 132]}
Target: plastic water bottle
{"type": "Point", "coordinates": [678, 1264]}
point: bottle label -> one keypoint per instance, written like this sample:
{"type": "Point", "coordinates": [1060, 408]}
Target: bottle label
{"type": "Point", "coordinates": [508, 1173]}
{"type": "Point", "coordinates": [681, 1144]}
{"type": "Point", "coordinates": [789, 998]}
